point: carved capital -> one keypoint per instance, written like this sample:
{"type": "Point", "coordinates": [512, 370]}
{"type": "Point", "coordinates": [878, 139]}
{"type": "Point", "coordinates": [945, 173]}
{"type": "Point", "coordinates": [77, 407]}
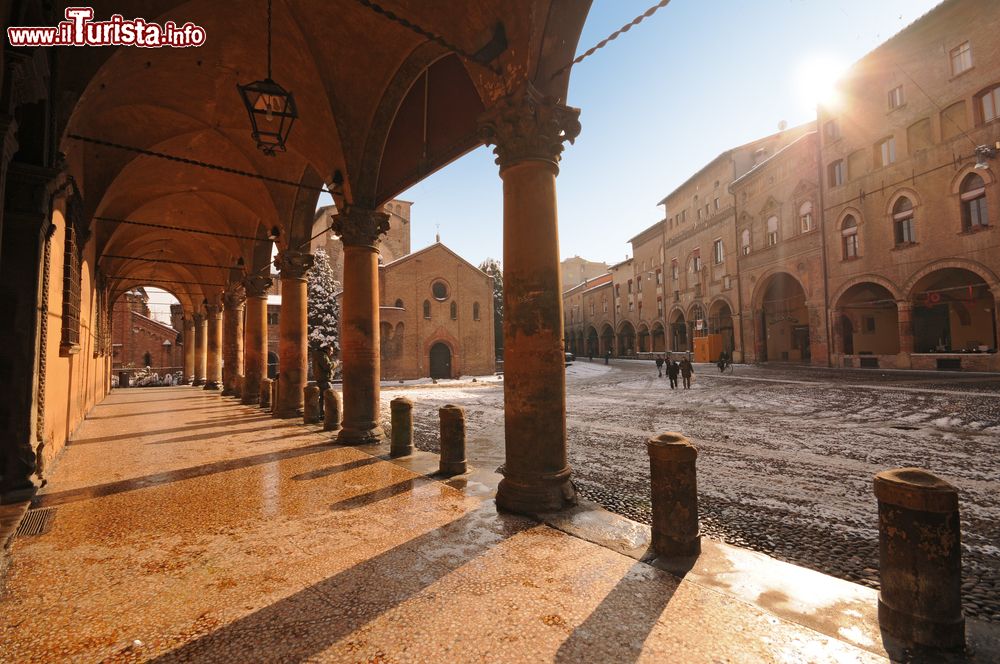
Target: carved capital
{"type": "Point", "coordinates": [234, 297]}
{"type": "Point", "coordinates": [198, 319]}
{"type": "Point", "coordinates": [527, 125]}
{"type": "Point", "coordinates": [213, 311]}
{"type": "Point", "coordinates": [293, 264]}
{"type": "Point", "coordinates": [188, 324]}
{"type": "Point", "coordinates": [360, 227]}
{"type": "Point", "coordinates": [257, 285]}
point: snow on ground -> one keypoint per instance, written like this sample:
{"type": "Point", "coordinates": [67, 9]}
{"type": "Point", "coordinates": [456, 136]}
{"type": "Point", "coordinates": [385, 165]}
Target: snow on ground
{"type": "Point", "coordinates": [786, 456]}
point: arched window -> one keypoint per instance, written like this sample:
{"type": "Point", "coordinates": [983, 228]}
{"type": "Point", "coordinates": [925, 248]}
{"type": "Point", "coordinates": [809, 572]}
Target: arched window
{"type": "Point", "coordinates": [806, 217]}
{"type": "Point", "coordinates": [849, 232]}
{"type": "Point", "coordinates": [989, 104]}
{"type": "Point", "coordinates": [745, 242]}
{"type": "Point", "coordinates": [475, 311]}
{"type": "Point", "coordinates": [427, 309]}
{"type": "Point", "coordinates": [772, 231]}
{"type": "Point", "coordinates": [902, 222]}
{"type": "Point", "coordinates": [454, 310]}
{"type": "Point", "coordinates": [399, 304]}
{"type": "Point", "coordinates": [973, 194]}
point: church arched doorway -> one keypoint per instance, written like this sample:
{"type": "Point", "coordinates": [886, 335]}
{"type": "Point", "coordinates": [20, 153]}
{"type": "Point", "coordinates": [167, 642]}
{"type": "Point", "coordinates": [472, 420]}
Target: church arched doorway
{"type": "Point", "coordinates": [440, 360]}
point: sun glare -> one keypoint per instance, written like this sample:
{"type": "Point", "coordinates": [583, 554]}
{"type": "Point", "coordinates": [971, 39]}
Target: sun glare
{"type": "Point", "coordinates": [816, 79]}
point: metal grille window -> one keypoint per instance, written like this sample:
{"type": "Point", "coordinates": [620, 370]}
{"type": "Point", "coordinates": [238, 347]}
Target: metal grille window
{"type": "Point", "coordinates": [70, 340]}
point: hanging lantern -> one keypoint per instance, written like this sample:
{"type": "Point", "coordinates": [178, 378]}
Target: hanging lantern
{"type": "Point", "coordinates": [271, 108]}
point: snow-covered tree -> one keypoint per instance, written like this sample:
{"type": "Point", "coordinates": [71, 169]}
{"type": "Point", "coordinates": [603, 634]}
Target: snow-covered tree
{"type": "Point", "coordinates": [491, 266]}
{"type": "Point", "coordinates": [324, 306]}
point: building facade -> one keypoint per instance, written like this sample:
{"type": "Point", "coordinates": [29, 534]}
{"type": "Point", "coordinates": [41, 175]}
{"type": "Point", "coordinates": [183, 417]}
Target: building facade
{"type": "Point", "coordinates": [138, 340]}
{"type": "Point", "coordinates": [866, 239]}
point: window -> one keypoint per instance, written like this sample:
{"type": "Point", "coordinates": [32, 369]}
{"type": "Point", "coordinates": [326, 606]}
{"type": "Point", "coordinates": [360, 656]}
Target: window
{"type": "Point", "coordinates": [454, 311]}
{"type": "Point", "coordinates": [440, 290]}
{"type": "Point", "coordinates": [618, 290]}
{"type": "Point", "coordinates": [989, 105]}
{"type": "Point", "coordinates": [272, 317]}
{"type": "Point", "coordinates": [674, 270]}
{"type": "Point", "coordinates": [806, 217]}
{"type": "Point", "coordinates": [973, 194]}
{"type": "Point", "coordinates": [638, 284]}
{"type": "Point", "coordinates": [918, 136]}
{"type": "Point", "coordinates": [831, 130]}
{"type": "Point", "coordinates": [896, 97]}
{"type": "Point", "coordinates": [427, 309]}
{"type": "Point", "coordinates": [961, 58]}
{"type": "Point", "coordinates": [869, 325]}
{"type": "Point", "coordinates": [659, 276]}
{"type": "Point", "coordinates": [605, 303]}
{"type": "Point", "coordinates": [717, 204]}
{"type": "Point", "coordinates": [659, 306]}
{"type": "Point", "coordinates": [849, 233]}
{"type": "Point", "coordinates": [885, 152]}
{"type": "Point", "coordinates": [717, 252]}
{"type": "Point", "coordinates": [629, 286]}
{"type": "Point", "coordinates": [71, 290]}
{"type": "Point", "coordinates": [631, 305]}
{"type": "Point", "coordinates": [591, 308]}
{"type": "Point", "coordinates": [902, 219]}
{"type": "Point", "coordinates": [475, 310]}
{"type": "Point", "coordinates": [745, 242]}
{"type": "Point", "coordinates": [399, 304]}
{"type": "Point", "coordinates": [835, 173]}
{"type": "Point", "coordinates": [772, 231]}
{"type": "Point", "coordinates": [696, 261]}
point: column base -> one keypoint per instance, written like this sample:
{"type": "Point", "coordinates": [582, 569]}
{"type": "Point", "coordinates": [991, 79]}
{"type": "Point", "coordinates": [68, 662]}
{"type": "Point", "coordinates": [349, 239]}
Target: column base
{"type": "Point", "coordinates": [211, 385]}
{"type": "Point", "coordinates": [357, 436]}
{"type": "Point", "coordinates": [184, 381]}
{"type": "Point", "coordinates": [250, 399]}
{"type": "Point", "coordinates": [285, 414]}
{"type": "Point", "coordinates": [916, 630]}
{"type": "Point", "coordinates": [198, 382]}
{"type": "Point", "coordinates": [533, 495]}
{"type": "Point", "coordinates": [228, 392]}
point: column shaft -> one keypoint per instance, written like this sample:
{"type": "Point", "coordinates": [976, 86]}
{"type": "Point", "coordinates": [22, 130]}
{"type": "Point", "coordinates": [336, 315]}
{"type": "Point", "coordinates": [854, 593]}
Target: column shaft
{"type": "Point", "coordinates": [232, 341]}
{"type": "Point", "coordinates": [292, 334]}
{"type": "Point", "coordinates": [200, 349]}
{"type": "Point", "coordinates": [255, 350]}
{"type": "Point", "coordinates": [188, 338]}
{"type": "Point", "coordinates": [213, 363]}
{"type": "Point", "coordinates": [904, 311]}
{"type": "Point", "coordinates": [359, 346]}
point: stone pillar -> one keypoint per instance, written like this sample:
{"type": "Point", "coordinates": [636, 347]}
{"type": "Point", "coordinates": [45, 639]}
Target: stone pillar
{"type": "Point", "coordinates": [920, 559]}
{"type": "Point", "coordinates": [837, 332]}
{"type": "Point", "coordinates": [402, 427]}
{"type": "Point", "coordinates": [255, 349]}
{"type": "Point", "coordinates": [904, 312]}
{"type": "Point", "coordinates": [674, 494]}
{"type": "Point", "coordinates": [188, 338]}
{"type": "Point", "coordinates": [311, 409]}
{"type": "Point", "coordinates": [359, 230]}
{"type": "Point", "coordinates": [264, 398]}
{"type": "Point", "coordinates": [452, 440]}
{"type": "Point", "coordinates": [292, 333]}
{"type": "Point", "coordinates": [232, 338]}
{"type": "Point", "coordinates": [200, 349]}
{"type": "Point", "coordinates": [528, 131]}
{"type": "Point", "coordinates": [213, 362]}
{"type": "Point", "coordinates": [331, 410]}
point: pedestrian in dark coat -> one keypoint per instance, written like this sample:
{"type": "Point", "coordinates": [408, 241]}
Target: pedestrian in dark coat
{"type": "Point", "coordinates": [687, 370]}
{"type": "Point", "coordinates": [659, 367]}
{"type": "Point", "coordinates": [673, 369]}
{"type": "Point", "coordinates": [607, 356]}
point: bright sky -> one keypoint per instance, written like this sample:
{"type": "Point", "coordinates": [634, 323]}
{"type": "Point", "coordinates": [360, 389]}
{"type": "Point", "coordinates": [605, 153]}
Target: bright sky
{"type": "Point", "coordinates": [697, 78]}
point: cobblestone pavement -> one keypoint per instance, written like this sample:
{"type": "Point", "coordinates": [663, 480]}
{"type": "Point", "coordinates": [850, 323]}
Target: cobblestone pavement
{"type": "Point", "coordinates": [787, 454]}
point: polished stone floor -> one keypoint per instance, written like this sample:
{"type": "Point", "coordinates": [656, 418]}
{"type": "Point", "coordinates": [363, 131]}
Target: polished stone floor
{"type": "Point", "coordinates": [190, 528]}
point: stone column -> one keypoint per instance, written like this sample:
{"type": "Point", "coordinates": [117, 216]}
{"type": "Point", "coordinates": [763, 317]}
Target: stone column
{"type": "Point", "coordinates": [232, 338]}
{"type": "Point", "coordinates": [188, 337]}
{"type": "Point", "coordinates": [255, 350]}
{"type": "Point", "coordinates": [528, 131]}
{"type": "Point", "coordinates": [213, 361]}
{"type": "Point", "coordinates": [200, 349]}
{"type": "Point", "coordinates": [904, 314]}
{"type": "Point", "coordinates": [359, 230]}
{"type": "Point", "coordinates": [292, 331]}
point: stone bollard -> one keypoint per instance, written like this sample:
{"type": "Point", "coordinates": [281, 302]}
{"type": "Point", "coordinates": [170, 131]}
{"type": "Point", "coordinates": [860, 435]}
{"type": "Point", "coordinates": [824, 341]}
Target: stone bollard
{"type": "Point", "coordinates": [402, 427]}
{"type": "Point", "coordinates": [674, 495]}
{"type": "Point", "coordinates": [265, 393]}
{"type": "Point", "coordinates": [452, 440]}
{"type": "Point", "coordinates": [331, 410]}
{"type": "Point", "coordinates": [920, 559]}
{"type": "Point", "coordinates": [311, 412]}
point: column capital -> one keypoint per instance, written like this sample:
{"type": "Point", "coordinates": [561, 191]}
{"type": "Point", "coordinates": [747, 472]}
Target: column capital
{"type": "Point", "coordinates": [213, 311]}
{"type": "Point", "coordinates": [293, 264]}
{"type": "Point", "coordinates": [235, 296]}
{"type": "Point", "coordinates": [527, 125]}
{"type": "Point", "coordinates": [189, 322]}
{"type": "Point", "coordinates": [360, 227]}
{"type": "Point", "coordinates": [257, 285]}
{"type": "Point", "coordinates": [198, 318]}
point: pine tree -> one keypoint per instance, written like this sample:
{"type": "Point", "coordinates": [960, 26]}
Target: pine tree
{"type": "Point", "coordinates": [491, 266]}
{"type": "Point", "coordinates": [324, 307]}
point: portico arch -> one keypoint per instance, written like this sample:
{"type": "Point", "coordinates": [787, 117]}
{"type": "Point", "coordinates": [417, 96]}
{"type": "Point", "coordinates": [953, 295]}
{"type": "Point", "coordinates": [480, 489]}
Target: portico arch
{"type": "Point", "coordinates": [679, 339]}
{"type": "Point", "coordinates": [642, 338]}
{"type": "Point", "coordinates": [782, 328]}
{"type": "Point", "coordinates": [626, 339]}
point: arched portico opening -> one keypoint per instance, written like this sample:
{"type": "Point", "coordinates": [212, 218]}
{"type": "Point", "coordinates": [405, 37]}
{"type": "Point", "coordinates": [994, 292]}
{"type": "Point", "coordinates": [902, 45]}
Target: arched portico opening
{"type": "Point", "coordinates": [642, 338]}
{"type": "Point", "coordinates": [659, 338]}
{"type": "Point", "coordinates": [866, 324]}
{"type": "Point", "coordinates": [783, 335]}
{"type": "Point", "coordinates": [607, 340]}
{"type": "Point", "coordinates": [626, 339]}
{"type": "Point", "coordinates": [678, 332]}
{"type": "Point", "coordinates": [593, 341]}
{"type": "Point", "coordinates": [954, 311]}
{"type": "Point", "coordinates": [720, 322]}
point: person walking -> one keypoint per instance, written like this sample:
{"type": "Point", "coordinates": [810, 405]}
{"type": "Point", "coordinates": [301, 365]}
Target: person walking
{"type": "Point", "coordinates": [687, 370]}
{"type": "Point", "coordinates": [659, 366]}
{"type": "Point", "coordinates": [607, 355]}
{"type": "Point", "coordinates": [672, 370]}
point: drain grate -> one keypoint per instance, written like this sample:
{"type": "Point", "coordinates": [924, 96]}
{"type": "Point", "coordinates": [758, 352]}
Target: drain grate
{"type": "Point", "coordinates": [36, 522]}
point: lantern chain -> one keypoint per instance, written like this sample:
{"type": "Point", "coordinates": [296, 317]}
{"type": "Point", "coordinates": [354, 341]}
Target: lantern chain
{"type": "Point", "coordinates": [269, 40]}
{"type": "Point", "coordinates": [613, 36]}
